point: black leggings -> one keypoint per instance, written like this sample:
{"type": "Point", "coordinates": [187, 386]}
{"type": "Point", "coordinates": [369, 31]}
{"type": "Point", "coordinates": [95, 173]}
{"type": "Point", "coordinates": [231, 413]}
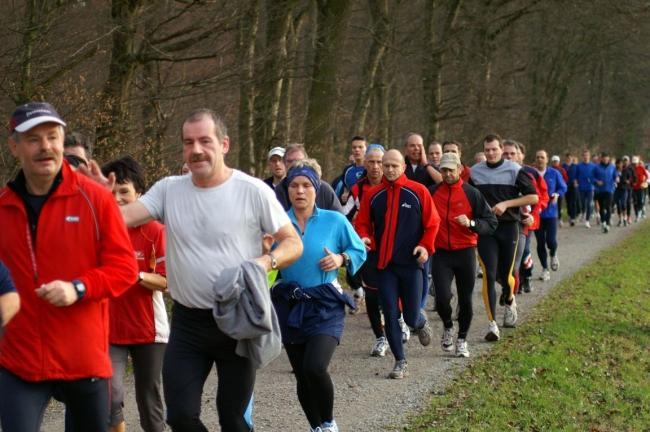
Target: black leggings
{"type": "Point", "coordinates": [196, 344]}
{"type": "Point", "coordinates": [605, 207]}
{"type": "Point", "coordinates": [445, 266]}
{"type": "Point", "coordinates": [315, 390]}
{"type": "Point", "coordinates": [497, 254]}
{"type": "Point", "coordinates": [374, 312]}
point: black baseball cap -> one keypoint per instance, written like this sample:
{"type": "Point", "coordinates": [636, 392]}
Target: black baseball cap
{"type": "Point", "coordinates": [33, 114]}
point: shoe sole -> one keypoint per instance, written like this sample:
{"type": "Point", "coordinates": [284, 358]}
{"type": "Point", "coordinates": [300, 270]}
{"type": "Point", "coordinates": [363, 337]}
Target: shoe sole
{"type": "Point", "coordinates": [402, 376]}
{"type": "Point", "coordinates": [491, 337]}
{"type": "Point", "coordinates": [462, 355]}
{"type": "Point", "coordinates": [424, 340]}
{"type": "Point", "coordinates": [513, 325]}
{"type": "Point", "coordinates": [450, 348]}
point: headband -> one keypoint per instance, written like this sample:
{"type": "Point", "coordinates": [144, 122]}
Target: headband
{"type": "Point", "coordinates": [306, 172]}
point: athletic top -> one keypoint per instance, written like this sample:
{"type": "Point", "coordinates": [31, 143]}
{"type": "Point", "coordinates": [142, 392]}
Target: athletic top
{"type": "Point", "coordinates": [571, 171]}
{"type": "Point", "coordinates": [458, 199]}
{"type": "Point", "coordinates": [139, 315]}
{"type": "Point", "coordinates": [351, 174]}
{"type": "Point", "coordinates": [211, 229]}
{"type": "Point", "coordinates": [504, 180]}
{"type": "Point", "coordinates": [6, 283]}
{"type": "Point", "coordinates": [398, 216]}
{"type": "Point", "coordinates": [640, 177]}
{"type": "Point", "coordinates": [585, 176]}
{"type": "Point", "coordinates": [607, 174]}
{"type": "Point", "coordinates": [324, 229]}
{"type": "Point", "coordinates": [555, 185]}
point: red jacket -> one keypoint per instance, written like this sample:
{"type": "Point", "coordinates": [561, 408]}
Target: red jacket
{"type": "Point", "coordinates": [80, 235]}
{"type": "Point", "coordinates": [397, 217]}
{"type": "Point", "coordinates": [542, 203]}
{"type": "Point", "coordinates": [641, 176]}
{"type": "Point", "coordinates": [139, 315]}
{"type": "Point", "coordinates": [458, 199]}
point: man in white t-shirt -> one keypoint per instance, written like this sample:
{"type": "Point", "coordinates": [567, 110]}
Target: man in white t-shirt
{"type": "Point", "coordinates": [215, 219]}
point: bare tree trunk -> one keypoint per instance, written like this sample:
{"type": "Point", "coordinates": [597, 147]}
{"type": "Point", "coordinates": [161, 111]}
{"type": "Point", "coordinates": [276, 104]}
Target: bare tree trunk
{"type": "Point", "coordinates": [323, 95]}
{"type": "Point", "coordinates": [379, 11]}
{"type": "Point", "coordinates": [248, 25]}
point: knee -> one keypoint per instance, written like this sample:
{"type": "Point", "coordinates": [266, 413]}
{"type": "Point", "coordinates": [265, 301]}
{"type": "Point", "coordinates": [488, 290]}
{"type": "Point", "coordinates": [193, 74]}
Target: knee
{"type": "Point", "coordinates": [314, 372]}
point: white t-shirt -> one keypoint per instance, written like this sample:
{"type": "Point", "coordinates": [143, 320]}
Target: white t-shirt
{"type": "Point", "coordinates": [211, 229]}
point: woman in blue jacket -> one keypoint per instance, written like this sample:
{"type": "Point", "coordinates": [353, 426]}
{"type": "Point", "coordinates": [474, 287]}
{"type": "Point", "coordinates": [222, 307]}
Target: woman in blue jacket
{"type": "Point", "coordinates": [309, 300]}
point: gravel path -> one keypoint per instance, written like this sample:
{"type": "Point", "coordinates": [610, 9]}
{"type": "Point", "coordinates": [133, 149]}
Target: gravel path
{"type": "Point", "coordinates": [365, 400]}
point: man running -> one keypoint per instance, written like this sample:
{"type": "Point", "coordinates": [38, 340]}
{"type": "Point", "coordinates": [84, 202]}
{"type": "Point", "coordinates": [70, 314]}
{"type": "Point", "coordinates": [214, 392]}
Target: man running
{"type": "Point", "coordinates": [605, 178]}
{"type": "Point", "coordinates": [275, 164]}
{"type": "Point", "coordinates": [464, 215]}
{"type": "Point", "coordinates": [585, 183]}
{"type": "Point", "coordinates": [547, 233]}
{"type": "Point", "coordinates": [398, 220]}
{"type": "Point", "coordinates": [506, 188]}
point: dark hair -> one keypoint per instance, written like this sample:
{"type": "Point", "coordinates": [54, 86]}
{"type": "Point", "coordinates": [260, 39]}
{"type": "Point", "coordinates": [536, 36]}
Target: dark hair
{"type": "Point", "coordinates": [604, 154]}
{"type": "Point", "coordinates": [493, 137]}
{"type": "Point", "coordinates": [358, 138]}
{"type": "Point", "coordinates": [75, 160]}
{"type": "Point", "coordinates": [198, 114]}
{"type": "Point", "coordinates": [77, 139]}
{"type": "Point", "coordinates": [126, 169]}
{"type": "Point", "coordinates": [452, 142]}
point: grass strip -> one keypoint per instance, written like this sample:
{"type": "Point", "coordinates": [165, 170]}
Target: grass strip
{"type": "Point", "coordinates": [581, 362]}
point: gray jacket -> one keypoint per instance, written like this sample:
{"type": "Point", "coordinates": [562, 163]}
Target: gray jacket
{"type": "Point", "coordinates": [243, 310]}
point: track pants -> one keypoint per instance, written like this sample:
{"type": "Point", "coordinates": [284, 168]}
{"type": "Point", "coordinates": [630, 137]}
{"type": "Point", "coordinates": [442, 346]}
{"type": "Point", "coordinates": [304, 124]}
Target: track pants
{"type": "Point", "coordinates": [605, 207]}
{"type": "Point", "coordinates": [309, 362]}
{"type": "Point", "coordinates": [546, 238]}
{"type": "Point", "coordinates": [572, 202]}
{"type": "Point", "coordinates": [497, 254]}
{"type": "Point", "coordinates": [587, 202]}
{"type": "Point", "coordinates": [639, 201]}
{"type": "Point", "coordinates": [22, 403]}
{"type": "Point", "coordinates": [195, 345]}
{"type": "Point", "coordinates": [400, 282]}
{"type": "Point", "coordinates": [446, 265]}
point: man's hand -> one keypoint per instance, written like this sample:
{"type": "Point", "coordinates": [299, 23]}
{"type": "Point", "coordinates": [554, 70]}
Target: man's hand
{"type": "Point", "coordinates": [462, 220]}
{"type": "Point", "coordinates": [421, 254]}
{"type": "Point", "coordinates": [331, 261]}
{"type": "Point", "coordinates": [527, 219]}
{"type": "Point", "coordinates": [500, 208]}
{"type": "Point", "coordinates": [423, 156]}
{"type": "Point", "coordinates": [94, 172]}
{"type": "Point", "coordinates": [366, 241]}
{"type": "Point", "coordinates": [57, 293]}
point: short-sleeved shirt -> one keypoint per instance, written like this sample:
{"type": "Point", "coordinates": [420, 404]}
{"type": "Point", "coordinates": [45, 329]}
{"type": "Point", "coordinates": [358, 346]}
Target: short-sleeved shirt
{"type": "Point", "coordinates": [211, 229]}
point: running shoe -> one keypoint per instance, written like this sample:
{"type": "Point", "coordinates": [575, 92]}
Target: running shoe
{"type": "Point", "coordinates": [545, 276]}
{"type": "Point", "coordinates": [406, 332]}
{"type": "Point", "coordinates": [587, 224]}
{"type": "Point", "coordinates": [555, 263]}
{"type": "Point", "coordinates": [447, 341]}
{"type": "Point", "coordinates": [358, 300]}
{"type": "Point", "coordinates": [316, 429]}
{"type": "Point", "coordinates": [572, 222]}
{"type": "Point", "coordinates": [493, 332]}
{"type": "Point", "coordinates": [424, 334]}
{"type": "Point", "coordinates": [380, 347]}
{"type": "Point", "coordinates": [461, 348]}
{"type": "Point", "coordinates": [400, 370]}
{"type": "Point", "coordinates": [605, 228]}
{"type": "Point", "coordinates": [329, 426]}
{"type": "Point", "coordinates": [510, 314]}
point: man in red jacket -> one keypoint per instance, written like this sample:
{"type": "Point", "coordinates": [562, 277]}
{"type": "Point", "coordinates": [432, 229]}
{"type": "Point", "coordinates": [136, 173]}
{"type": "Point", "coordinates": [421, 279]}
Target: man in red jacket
{"type": "Point", "coordinates": [68, 251]}
{"type": "Point", "coordinates": [397, 219]}
{"type": "Point", "coordinates": [464, 215]}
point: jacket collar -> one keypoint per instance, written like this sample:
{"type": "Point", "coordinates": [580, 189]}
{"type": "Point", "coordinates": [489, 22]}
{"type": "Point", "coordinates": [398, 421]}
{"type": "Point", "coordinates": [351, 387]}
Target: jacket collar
{"type": "Point", "coordinates": [401, 181]}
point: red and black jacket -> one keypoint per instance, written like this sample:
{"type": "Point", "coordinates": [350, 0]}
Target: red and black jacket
{"type": "Point", "coordinates": [398, 216]}
{"type": "Point", "coordinates": [458, 199]}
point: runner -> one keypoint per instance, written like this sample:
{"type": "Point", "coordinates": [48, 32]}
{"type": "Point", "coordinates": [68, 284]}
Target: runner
{"type": "Point", "coordinates": [584, 181]}
{"type": "Point", "coordinates": [399, 221]}
{"type": "Point", "coordinates": [456, 147]}
{"type": "Point", "coordinates": [506, 188]}
{"type": "Point", "coordinates": [555, 163]}
{"type": "Point", "coordinates": [639, 187]}
{"type": "Point", "coordinates": [138, 322]}
{"type": "Point", "coordinates": [311, 295]}
{"type": "Point", "coordinates": [464, 215]}
{"type": "Point", "coordinates": [215, 219]}
{"type": "Point", "coordinates": [605, 179]}
{"type": "Point", "coordinates": [572, 194]}
{"type": "Point", "coordinates": [275, 164]}
{"type": "Point", "coordinates": [72, 253]}
{"type": "Point", "coordinates": [546, 235]}
{"type": "Point", "coordinates": [434, 153]}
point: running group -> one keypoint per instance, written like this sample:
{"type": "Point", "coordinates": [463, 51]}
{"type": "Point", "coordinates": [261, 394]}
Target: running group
{"type": "Point", "coordinates": [87, 256]}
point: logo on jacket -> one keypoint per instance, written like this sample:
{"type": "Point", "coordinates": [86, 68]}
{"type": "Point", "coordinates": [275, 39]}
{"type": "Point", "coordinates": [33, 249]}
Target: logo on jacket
{"type": "Point", "coordinates": [73, 219]}
{"type": "Point", "coordinates": [139, 255]}
{"type": "Point", "coordinates": [407, 205]}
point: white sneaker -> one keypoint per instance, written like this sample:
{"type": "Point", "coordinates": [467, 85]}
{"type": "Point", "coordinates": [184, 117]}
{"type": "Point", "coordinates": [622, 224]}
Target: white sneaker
{"type": "Point", "coordinates": [329, 426]}
{"type": "Point", "coordinates": [510, 314]}
{"type": "Point", "coordinates": [316, 429]}
{"type": "Point", "coordinates": [380, 347]}
{"type": "Point", "coordinates": [461, 348]}
{"type": "Point", "coordinates": [406, 332]}
{"type": "Point", "coordinates": [359, 295]}
{"type": "Point", "coordinates": [555, 263]}
{"type": "Point", "coordinates": [447, 341]}
{"type": "Point", "coordinates": [587, 224]}
{"type": "Point", "coordinates": [545, 275]}
{"type": "Point", "coordinates": [493, 332]}
{"type": "Point", "coordinates": [400, 370]}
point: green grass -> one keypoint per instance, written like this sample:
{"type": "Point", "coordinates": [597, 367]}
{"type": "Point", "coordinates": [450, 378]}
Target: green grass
{"type": "Point", "coordinates": [580, 363]}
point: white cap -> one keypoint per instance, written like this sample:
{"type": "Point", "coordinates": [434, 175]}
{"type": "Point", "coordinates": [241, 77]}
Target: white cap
{"type": "Point", "coordinates": [276, 151]}
{"type": "Point", "coordinates": [555, 158]}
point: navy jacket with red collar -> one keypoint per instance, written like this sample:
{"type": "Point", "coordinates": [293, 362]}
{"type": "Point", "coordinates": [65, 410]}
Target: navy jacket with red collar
{"type": "Point", "coordinates": [398, 216]}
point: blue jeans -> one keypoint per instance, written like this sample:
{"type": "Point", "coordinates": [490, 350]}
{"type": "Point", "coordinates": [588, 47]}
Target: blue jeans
{"type": "Point", "coordinates": [587, 202]}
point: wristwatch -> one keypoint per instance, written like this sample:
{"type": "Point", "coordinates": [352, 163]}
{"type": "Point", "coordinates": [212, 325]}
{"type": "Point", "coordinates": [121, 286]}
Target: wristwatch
{"type": "Point", "coordinates": [346, 259]}
{"type": "Point", "coordinates": [274, 262]}
{"type": "Point", "coordinates": [472, 223]}
{"type": "Point", "coordinates": [79, 288]}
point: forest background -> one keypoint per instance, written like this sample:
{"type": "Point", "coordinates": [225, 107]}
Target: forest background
{"type": "Point", "coordinates": [553, 74]}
